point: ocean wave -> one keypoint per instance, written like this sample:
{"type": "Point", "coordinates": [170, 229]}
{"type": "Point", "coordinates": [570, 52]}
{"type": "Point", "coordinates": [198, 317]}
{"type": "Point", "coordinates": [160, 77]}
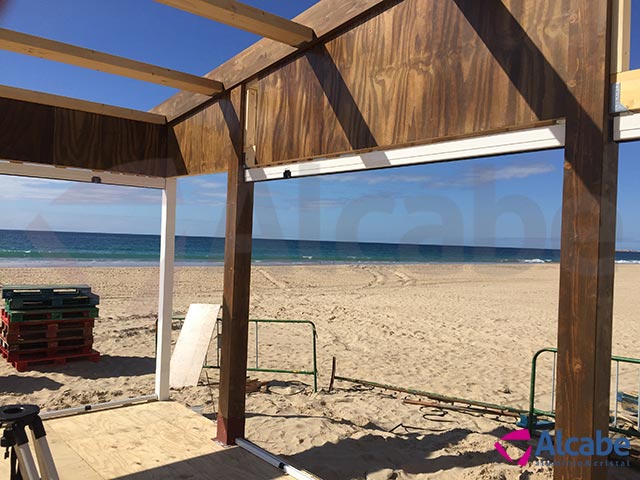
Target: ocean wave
{"type": "Point", "coordinates": [630, 262]}
{"type": "Point", "coordinates": [535, 260]}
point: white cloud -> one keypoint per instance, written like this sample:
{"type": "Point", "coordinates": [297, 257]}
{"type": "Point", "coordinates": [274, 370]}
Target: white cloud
{"type": "Point", "coordinates": [471, 175]}
{"type": "Point", "coordinates": [509, 172]}
{"type": "Point", "coordinates": [61, 192]}
{"type": "Point", "coordinates": [378, 178]}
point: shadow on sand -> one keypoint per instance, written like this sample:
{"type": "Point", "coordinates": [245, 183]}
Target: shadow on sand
{"type": "Point", "coordinates": [109, 366]}
{"type": "Point", "coordinates": [359, 457]}
{"type": "Point", "coordinates": [17, 384]}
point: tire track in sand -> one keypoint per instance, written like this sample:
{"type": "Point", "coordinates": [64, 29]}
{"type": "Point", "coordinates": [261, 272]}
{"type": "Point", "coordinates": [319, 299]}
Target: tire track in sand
{"type": "Point", "coordinates": [270, 278]}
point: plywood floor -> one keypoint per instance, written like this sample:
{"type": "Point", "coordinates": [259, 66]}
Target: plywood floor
{"type": "Point", "coordinates": [159, 440]}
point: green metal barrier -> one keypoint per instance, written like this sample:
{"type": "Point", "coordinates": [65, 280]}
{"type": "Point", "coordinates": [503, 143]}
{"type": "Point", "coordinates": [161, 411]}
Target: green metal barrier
{"type": "Point", "coordinates": [531, 421]}
{"type": "Point", "coordinates": [257, 367]}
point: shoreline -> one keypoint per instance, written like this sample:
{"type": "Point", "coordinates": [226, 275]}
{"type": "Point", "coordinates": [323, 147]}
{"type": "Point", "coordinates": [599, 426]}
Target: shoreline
{"type": "Point", "coordinates": [36, 264]}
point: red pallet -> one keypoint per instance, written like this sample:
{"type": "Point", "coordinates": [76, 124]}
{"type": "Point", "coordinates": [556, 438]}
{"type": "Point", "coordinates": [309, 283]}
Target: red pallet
{"type": "Point", "coordinates": [42, 324]}
{"type": "Point", "coordinates": [48, 345]}
{"type": "Point", "coordinates": [23, 365]}
{"type": "Point", "coordinates": [44, 335]}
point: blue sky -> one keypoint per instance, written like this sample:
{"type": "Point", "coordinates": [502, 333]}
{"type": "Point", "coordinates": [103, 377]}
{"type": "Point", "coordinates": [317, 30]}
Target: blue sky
{"type": "Point", "coordinates": [510, 200]}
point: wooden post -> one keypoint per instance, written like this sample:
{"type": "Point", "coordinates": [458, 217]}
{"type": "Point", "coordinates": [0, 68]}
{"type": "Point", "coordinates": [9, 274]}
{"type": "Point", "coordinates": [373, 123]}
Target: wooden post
{"type": "Point", "coordinates": [588, 240]}
{"type": "Point", "coordinates": [237, 276]}
{"type": "Point", "coordinates": [165, 300]}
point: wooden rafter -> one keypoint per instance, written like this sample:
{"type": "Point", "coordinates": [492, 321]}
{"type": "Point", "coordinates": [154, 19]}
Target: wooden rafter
{"type": "Point", "coordinates": [325, 17]}
{"type": "Point", "coordinates": [246, 17]}
{"type": "Point", "coordinates": [82, 57]}
{"type": "Point", "coordinates": [80, 105]}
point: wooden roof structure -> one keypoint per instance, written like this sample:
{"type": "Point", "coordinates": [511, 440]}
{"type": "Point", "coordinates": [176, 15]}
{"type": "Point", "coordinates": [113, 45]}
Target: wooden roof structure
{"type": "Point", "coordinates": [357, 84]}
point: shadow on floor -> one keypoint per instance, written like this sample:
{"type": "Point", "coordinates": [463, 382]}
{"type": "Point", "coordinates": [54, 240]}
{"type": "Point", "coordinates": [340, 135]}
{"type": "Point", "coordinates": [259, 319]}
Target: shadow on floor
{"type": "Point", "coordinates": [231, 464]}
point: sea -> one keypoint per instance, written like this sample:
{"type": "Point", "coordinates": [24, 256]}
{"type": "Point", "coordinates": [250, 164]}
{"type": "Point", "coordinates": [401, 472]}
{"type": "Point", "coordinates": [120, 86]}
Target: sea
{"type": "Point", "coordinates": [22, 248]}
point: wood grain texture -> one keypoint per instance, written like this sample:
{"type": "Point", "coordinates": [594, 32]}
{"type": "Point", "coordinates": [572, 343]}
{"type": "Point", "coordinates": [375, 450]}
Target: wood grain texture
{"type": "Point", "coordinates": [152, 441]}
{"type": "Point", "coordinates": [406, 73]}
{"type": "Point", "coordinates": [587, 240]}
{"type": "Point", "coordinates": [629, 89]}
{"type": "Point", "coordinates": [324, 18]}
{"type": "Point", "coordinates": [82, 105]}
{"type": "Point", "coordinates": [416, 72]}
{"type": "Point", "coordinates": [202, 143]}
{"type": "Point", "coordinates": [49, 135]}
{"type": "Point", "coordinates": [237, 280]}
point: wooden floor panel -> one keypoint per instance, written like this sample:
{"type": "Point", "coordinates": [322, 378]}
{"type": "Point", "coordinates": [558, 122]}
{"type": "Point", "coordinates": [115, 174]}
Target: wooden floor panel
{"type": "Point", "coordinates": [160, 440]}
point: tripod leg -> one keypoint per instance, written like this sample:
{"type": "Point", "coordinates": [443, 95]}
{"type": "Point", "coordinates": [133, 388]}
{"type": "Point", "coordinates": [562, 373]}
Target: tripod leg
{"type": "Point", "coordinates": [43, 452]}
{"type": "Point", "coordinates": [25, 459]}
{"type": "Point", "coordinates": [15, 470]}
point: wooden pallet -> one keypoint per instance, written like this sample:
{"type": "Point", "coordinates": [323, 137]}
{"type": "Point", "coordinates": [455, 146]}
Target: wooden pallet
{"type": "Point", "coordinates": [23, 365]}
{"type": "Point", "coordinates": [56, 314]}
{"type": "Point", "coordinates": [37, 302]}
{"type": "Point", "coordinates": [49, 332]}
{"type": "Point", "coordinates": [36, 325]}
{"type": "Point", "coordinates": [43, 291]}
{"type": "Point", "coordinates": [51, 346]}
{"type": "Point", "coordinates": [51, 329]}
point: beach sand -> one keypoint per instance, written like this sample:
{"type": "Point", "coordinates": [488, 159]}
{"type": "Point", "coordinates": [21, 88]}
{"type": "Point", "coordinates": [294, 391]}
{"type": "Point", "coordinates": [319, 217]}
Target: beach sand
{"type": "Point", "coordinates": [460, 330]}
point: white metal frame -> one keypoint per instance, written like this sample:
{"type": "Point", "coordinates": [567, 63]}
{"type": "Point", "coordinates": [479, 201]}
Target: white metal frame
{"type": "Point", "coordinates": [540, 138]}
{"type": "Point", "coordinates": [627, 127]}
{"type": "Point", "coordinates": [78, 175]}
{"type": "Point", "coordinates": [165, 300]}
{"type": "Point", "coordinates": [167, 244]}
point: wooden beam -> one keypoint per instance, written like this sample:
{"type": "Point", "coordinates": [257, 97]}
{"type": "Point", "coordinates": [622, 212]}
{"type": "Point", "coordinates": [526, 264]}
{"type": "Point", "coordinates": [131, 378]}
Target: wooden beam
{"type": "Point", "coordinates": [325, 18]}
{"type": "Point", "coordinates": [237, 279]}
{"type": "Point", "coordinates": [82, 57]}
{"type": "Point", "coordinates": [246, 17]}
{"type": "Point", "coordinates": [587, 257]}
{"type": "Point", "coordinates": [44, 134]}
{"type": "Point", "coordinates": [81, 105]}
{"type": "Point", "coordinates": [251, 126]}
{"type": "Point", "coordinates": [621, 36]}
{"type": "Point", "coordinates": [628, 84]}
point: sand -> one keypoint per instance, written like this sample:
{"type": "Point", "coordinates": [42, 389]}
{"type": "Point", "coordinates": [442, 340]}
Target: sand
{"type": "Point", "coordinates": [462, 330]}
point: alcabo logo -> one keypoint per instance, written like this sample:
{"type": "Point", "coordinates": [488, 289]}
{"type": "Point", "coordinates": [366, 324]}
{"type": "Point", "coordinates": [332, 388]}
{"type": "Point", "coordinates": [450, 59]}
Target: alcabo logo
{"type": "Point", "coordinates": [518, 435]}
{"type": "Point", "coordinates": [601, 446]}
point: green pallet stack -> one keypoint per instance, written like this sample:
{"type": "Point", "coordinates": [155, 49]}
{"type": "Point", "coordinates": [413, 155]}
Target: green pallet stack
{"type": "Point", "coordinates": [47, 324]}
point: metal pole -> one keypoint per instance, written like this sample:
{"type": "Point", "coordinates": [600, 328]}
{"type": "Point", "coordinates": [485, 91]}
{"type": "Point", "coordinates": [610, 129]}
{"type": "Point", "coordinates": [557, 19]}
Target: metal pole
{"type": "Point", "coordinates": [273, 460]}
{"type": "Point", "coordinates": [97, 406]}
{"type": "Point", "coordinates": [532, 387]}
{"type": "Point", "coordinates": [256, 323]}
{"type": "Point", "coordinates": [553, 382]}
{"type": "Point", "coordinates": [315, 360]}
{"type": "Point", "coordinates": [273, 370]}
{"type": "Point", "coordinates": [615, 409]}
{"type": "Point", "coordinates": [433, 396]}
